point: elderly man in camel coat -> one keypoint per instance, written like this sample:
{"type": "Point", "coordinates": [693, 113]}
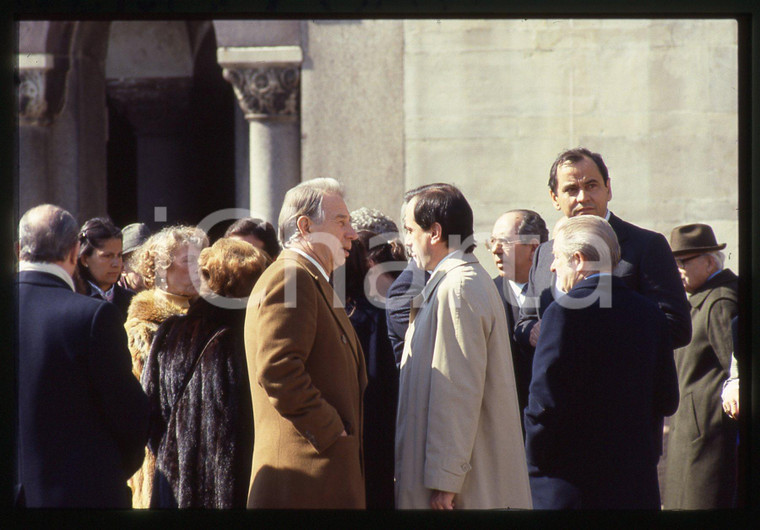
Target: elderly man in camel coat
{"type": "Point", "coordinates": [306, 364]}
{"type": "Point", "coordinates": [458, 436]}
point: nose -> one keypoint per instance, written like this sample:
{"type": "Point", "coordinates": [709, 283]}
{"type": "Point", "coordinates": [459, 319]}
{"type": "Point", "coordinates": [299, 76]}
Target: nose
{"type": "Point", "coordinates": [351, 234]}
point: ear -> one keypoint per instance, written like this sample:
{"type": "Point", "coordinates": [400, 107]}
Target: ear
{"type": "Point", "coordinates": [555, 200]}
{"type": "Point", "coordinates": [73, 255]}
{"type": "Point", "coordinates": [533, 246]}
{"type": "Point", "coordinates": [609, 189]}
{"type": "Point", "coordinates": [303, 224]}
{"type": "Point", "coordinates": [579, 262]}
{"type": "Point", "coordinates": [436, 233]}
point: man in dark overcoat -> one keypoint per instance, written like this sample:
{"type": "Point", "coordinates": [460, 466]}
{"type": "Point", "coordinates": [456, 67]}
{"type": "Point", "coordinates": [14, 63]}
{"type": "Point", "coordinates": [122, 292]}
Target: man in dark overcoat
{"type": "Point", "coordinates": [82, 416]}
{"type": "Point", "coordinates": [603, 379]}
{"type": "Point", "coordinates": [700, 471]}
{"type": "Point", "coordinates": [579, 184]}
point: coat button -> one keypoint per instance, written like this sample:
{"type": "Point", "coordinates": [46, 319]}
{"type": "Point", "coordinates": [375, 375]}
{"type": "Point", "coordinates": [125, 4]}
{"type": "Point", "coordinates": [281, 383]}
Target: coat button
{"type": "Point", "coordinates": [344, 339]}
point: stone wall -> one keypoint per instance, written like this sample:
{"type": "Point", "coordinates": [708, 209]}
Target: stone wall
{"type": "Point", "coordinates": [489, 104]}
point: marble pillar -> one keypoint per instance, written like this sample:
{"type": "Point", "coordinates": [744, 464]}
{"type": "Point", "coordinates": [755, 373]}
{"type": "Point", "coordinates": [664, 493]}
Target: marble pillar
{"type": "Point", "coordinates": [266, 81]}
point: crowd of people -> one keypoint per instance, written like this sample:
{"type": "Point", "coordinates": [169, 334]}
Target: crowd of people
{"type": "Point", "coordinates": [338, 362]}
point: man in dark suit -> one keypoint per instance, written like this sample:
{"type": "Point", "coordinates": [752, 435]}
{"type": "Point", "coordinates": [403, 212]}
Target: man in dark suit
{"type": "Point", "coordinates": [579, 184]}
{"type": "Point", "coordinates": [603, 379]}
{"type": "Point", "coordinates": [82, 416]}
{"type": "Point", "coordinates": [513, 242]}
{"type": "Point", "coordinates": [398, 304]}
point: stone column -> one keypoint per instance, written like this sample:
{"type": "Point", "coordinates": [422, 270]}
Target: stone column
{"type": "Point", "coordinates": [266, 81]}
{"type": "Point", "coordinates": [34, 118]}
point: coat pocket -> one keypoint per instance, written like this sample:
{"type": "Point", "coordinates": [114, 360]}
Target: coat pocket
{"type": "Point", "coordinates": [691, 420]}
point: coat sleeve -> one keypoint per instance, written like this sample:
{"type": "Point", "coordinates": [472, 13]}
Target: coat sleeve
{"type": "Point", "coordinates": [285, 337]}
{"type": "Point", "coordinates": [550, 390]}
{"type": "Point", "coordinates": [456, 387]}
{"type": "Point", "coordinates": [124, 404]}
{"type": "Point", "coordinates": [660, 282]}
{"type": "Point", "coordinates": [528, 315]}
{"type": "Point", "coordinates": [719, 316]}
{"type": "Point", "coordinates": [666, 394]}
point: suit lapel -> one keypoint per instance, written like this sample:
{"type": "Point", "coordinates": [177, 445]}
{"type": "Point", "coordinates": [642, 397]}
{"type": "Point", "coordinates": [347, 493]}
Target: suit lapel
{"type": "Point", "coordinates": [339, 313]}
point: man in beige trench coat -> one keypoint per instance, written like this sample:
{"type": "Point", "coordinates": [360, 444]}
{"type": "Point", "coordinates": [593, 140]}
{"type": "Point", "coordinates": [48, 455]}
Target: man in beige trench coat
{"type": "Point", "coordinates": [458, 436]}
{"type": "Point", "coordinates": [305, 363]}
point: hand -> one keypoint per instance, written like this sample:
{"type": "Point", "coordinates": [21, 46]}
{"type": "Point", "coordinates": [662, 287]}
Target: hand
{"type": "Point", "coordinates": [534, 332]}
{"type": "Point", "coordinates": [343, 433]}
{"type": "Point", "coordinates": [731, 401]}
{"type": "Point", "coordinates": [442, 500]}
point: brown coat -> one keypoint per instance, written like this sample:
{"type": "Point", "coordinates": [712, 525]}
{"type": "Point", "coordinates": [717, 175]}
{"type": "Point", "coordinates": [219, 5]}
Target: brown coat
{"type": "Point", "coordinates": [700, 471]}
{"type": "Point", "coordinates": [308, 376]}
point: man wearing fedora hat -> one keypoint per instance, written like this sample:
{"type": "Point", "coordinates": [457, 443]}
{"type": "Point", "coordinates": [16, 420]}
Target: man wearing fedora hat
{"type": "Point", "coordinates": [134, 235]}
{"type": "Point", "coordinates": [701, 458]}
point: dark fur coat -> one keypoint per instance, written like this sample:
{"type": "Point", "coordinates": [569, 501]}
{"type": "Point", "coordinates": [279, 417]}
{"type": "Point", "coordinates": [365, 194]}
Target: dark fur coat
{"type": "Point", "coordinates": [203, 451]}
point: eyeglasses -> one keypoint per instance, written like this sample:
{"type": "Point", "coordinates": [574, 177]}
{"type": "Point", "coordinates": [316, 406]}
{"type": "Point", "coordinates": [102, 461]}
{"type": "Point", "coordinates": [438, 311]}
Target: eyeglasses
{"type": "Point", "coordinates": [493, 243]}
{"type": "Point", "coordinates": [680, 262]}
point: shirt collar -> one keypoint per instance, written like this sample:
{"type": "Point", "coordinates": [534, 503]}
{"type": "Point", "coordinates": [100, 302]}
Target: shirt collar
{"type": "Point", "coordinates": [315, 262]}
{"type": "Point", "coordinates": [49, 268]}
{"type": "Point", "coordinates": [105, 295]}
{"type": "Point", "coordinates": [517, 289]}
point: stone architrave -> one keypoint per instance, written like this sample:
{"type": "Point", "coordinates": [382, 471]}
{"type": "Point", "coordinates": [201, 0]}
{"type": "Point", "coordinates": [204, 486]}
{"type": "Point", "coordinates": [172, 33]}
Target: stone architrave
{"type": "Point", "coordinates": [266, 81]}
{"type": "Point", "coordinates": [32, 101]}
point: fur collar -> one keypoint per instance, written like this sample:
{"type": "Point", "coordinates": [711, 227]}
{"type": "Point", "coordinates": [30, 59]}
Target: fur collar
{"type": "Point", "coordinates": [151, 306]}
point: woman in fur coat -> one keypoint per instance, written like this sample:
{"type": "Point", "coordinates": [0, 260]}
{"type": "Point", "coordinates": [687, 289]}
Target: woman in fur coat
{"type": "Point", "coordinates": [167, 262]}
{"type": "Point", "coordinates": [196, 379]}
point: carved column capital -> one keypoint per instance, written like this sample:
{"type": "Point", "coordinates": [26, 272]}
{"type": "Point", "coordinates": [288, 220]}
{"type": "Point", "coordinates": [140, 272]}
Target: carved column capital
{"type": "Point", "coordinates": [32, 100]}
{"type": "Point", "coordinates": [266, 92]}
{"type": "Point", "coordinates": [266, 80]}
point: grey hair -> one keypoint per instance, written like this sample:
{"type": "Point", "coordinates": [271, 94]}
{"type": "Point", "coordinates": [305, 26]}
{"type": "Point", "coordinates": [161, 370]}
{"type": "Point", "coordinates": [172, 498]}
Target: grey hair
{"type": "Point", "coordinates": [591, 236]}
{"type": "Point", "coordinates": [532, 225]}
{"type": "Point", "coordinates": [719, 258]}
{"type": "Point", "coordinates": [47, 233]}
{"type": "Point", "coordinates": [373, 220]}
{"type": "Point", "coordinates": [304, 199]}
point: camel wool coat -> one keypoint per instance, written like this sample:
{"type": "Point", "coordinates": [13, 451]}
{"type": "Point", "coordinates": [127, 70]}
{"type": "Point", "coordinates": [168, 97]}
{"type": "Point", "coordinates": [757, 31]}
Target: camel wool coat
{"type": "Point", "coordinates": [307, 375]}
{"type": "Point", "coordinates": [458, 425]}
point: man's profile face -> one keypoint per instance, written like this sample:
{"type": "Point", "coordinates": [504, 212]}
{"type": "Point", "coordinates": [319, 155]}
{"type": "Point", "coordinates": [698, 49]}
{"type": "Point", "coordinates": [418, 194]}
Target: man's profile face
{"type": "Point", "coordinates": [694, 270]}
{"type": "Point", "coordinates": [511, 256]}
{"type": "Point", "coordinates": [416, 239]}
{"type": "Point", "coordinates": [331, 239]}
{"type": "Point", "coordinates": [581, 189]}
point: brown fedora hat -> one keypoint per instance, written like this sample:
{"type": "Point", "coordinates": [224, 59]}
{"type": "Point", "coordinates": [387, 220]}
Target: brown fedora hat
{"type": "Point", "coordinates": [696, 237]}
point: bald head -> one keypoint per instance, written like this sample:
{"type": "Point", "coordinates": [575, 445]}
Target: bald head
{"type": "Point", "coordinates": [514, 239]}
{"type": "Point", "coordinates": [47, 234]}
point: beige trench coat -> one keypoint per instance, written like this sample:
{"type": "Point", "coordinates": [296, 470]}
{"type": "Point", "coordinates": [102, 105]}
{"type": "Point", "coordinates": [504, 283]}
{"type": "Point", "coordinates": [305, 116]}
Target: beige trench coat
{"type": "Point", "coordinates": [458, 426]}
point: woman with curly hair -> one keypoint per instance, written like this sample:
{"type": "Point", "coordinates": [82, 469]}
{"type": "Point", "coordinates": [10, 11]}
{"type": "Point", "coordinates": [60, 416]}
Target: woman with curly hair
{"type": "Point", "coordinates": [196, 379]}
{"type": "Point", "coordinates": [100, 264]}
{"type": "Point", "coordinates": [167, 262]}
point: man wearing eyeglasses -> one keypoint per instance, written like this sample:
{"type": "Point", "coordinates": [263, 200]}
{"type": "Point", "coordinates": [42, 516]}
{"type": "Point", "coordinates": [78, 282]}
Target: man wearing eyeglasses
{"type": "Point", "coordinates": [701, 457]}
{"type": "Point", "coordinates": [579, 184]}
{"type": "Point", "coordinates": [513, 242]}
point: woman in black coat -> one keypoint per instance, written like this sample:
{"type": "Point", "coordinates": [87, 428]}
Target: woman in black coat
{"type": "Point", "coordinates": [196, 379]}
